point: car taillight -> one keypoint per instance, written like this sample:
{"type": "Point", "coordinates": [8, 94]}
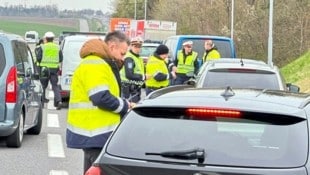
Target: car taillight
{"type": "Point", "coordinates": [11, 86]}
{"type": "Point", "coordinates": [201, 113]}
{"type": "Point", "coordinates": [93, 170]}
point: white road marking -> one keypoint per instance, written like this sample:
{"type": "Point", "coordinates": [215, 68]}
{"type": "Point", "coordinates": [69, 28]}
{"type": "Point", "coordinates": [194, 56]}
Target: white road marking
{"type": "Point", "coordinates": [52, 120]}
{"type": "Point", "coordinates": [50, 105]}
{"type": "Point", "coordinates": [50, 94]}
{"type": "Point", "coordinates": [55, 146]}
{"type": "Point", "coordinates": [57, 172]}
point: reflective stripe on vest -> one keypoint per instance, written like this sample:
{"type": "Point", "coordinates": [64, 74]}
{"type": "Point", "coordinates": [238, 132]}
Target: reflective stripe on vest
{"type": "Point", "coordinates": [156, 65]}
{"type": "Point", "coordinates": [50, 56]}
{"type": "Point", "coordinates": [188, 66]}
{"type": "Point", "coordinates": [139, 69]}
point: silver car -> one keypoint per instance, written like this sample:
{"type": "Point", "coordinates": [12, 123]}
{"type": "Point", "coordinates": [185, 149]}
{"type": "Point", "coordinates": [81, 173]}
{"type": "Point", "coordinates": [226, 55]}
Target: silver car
{"type": "Point", "coordinates": [241, 73]}
{"type": "Point", "coordinates": [20, 91]}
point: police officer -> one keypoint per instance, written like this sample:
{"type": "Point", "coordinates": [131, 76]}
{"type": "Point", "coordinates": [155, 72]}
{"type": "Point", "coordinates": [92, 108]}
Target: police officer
{"type": "Point", "coordinates": [186, 62]}
{"type": "Point", "coordinates": [133, 72]}
{"type": "Point", "coordinates": [211, 52]}
{"type": "Point", "coordinates": [50, 56]}
{"type": "Point", "coordinates": [95, 106]}
{"type": "Point", "coordinates": [158, 67]}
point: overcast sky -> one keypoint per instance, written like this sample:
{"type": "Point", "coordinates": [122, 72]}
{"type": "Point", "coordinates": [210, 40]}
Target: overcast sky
{"type": "Point", "coordinates": [104, 5]}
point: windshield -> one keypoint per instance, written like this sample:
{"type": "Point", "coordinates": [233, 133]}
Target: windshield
{"type": "Point", "coordinates": [146, 51]}
{"type": "Point", "coordinates": [238, 143]}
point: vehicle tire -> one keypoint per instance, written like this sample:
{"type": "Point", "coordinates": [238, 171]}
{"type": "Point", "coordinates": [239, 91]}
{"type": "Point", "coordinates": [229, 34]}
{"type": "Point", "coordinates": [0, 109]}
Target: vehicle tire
{"type": "Point", "coordinates": [37, 128]}
{"type": "Point", "coordinates": [15, 140]}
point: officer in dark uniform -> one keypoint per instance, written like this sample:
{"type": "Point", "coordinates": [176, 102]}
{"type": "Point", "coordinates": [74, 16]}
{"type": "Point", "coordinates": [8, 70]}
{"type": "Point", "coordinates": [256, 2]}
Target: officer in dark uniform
{"type": "Point", "coordinates": [133, 72]}
{"type": "Point", "coordinates": [50, 56]}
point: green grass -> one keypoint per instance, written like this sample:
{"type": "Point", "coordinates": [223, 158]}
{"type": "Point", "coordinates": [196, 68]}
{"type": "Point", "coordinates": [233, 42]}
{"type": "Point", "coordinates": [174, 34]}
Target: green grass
{"type": "Point", "coordinates": [298, 72]}
{"type": "Point", "coordinates": [20, 28]}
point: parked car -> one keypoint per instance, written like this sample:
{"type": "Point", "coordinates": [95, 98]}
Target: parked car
{"type": "Point", "coordinates": [147, 50]}
{"type": "Point", "coordinates": [71, 46]}
{"type": "Point", "coordinates": [20, 91]}
{"type": "Point", "coordinates": [224, 45]}
{"type": "Point", "coordinates": [32, 37]}
{"type": "Point", "coordinates": [241, 73]}
{"type": "Point", "coordinates": [211, 131]}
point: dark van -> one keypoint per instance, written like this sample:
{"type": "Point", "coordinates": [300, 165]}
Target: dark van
{"type": "Point", "coordinates": [224, 45]}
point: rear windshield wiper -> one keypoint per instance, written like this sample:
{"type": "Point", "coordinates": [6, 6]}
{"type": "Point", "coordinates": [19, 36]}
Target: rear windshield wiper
{"type": "Point", "coordinates": [184, 155]}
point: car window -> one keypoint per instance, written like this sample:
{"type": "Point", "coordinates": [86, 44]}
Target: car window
{"type": "Point", "coordinates": [222, 46]}
{"type": "Point", "coordinates": [231, 142]}
{"type": "Point", "coordinates": [218, 79]}
{"type": "Point", "coordinates": [171, 43]}
{"type": "Point", "coordinates": [2, 59]}
{"type": "Point", "coordinates": [18, 58]}
{"type": "Point", "coordinates": [147, 50]}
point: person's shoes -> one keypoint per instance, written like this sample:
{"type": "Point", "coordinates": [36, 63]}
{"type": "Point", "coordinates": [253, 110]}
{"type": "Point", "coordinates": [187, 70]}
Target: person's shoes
{"type": "Point", "coordinates": [59, 105]}
{"type": "Point", "coordinates": [45, 100]}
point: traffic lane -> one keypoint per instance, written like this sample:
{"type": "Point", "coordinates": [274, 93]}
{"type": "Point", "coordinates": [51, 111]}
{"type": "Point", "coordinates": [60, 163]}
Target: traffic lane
{"type": "Point", "coordinates": [43, 153]}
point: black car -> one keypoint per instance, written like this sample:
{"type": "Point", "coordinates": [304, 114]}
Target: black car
{"type": "Point", "coordinates": [193, 131]}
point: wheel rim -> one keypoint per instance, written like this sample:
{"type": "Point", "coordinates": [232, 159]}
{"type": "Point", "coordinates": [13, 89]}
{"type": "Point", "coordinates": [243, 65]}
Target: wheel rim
{"type": "Point", "coordinates": [21, 127]}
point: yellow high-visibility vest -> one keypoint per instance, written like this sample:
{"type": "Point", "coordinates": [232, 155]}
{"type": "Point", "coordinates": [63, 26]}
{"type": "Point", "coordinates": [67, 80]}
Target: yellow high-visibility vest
{"type": "Point", "coordinates": [50, 55]}
{"type": "Point", "coordinates": [188, 65]}
{"type": "Point", "coordinates": [156, 65]}
{"type": "Point", "coordinates": [91, 76]}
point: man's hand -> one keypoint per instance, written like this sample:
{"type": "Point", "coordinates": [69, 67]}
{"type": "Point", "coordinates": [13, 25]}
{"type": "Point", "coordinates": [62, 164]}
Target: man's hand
{"type": "Point", "coordinates": [174, 69]}
{"type": "Point", "coordinates": [148, 76]}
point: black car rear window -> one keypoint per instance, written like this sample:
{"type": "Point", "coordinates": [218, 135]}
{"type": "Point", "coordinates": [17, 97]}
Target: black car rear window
{"type": "Point", "coordinates": [278, 141]}
{"type": "Point", "coordinates": [2, 59]}
{"type": "Point", "coordinates": [258, 80]}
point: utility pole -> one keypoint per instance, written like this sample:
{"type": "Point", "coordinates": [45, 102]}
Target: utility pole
{"type": "Point", "coordinates": [135, 9]}
{"type": "Point", "coordinates": [232, 19]}
{"type": "Point", "coordinates": [145, 8]}
{"type": "Point", "coordinates": [270, 46]}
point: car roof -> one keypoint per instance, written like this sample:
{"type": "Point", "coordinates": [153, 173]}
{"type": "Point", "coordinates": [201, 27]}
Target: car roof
{"type": "Point", "coordinates": [81, 37]}
{"type": "Point", "coordinates": [12, 36]}
{"type": "Point", "coordinates": [199, 37]}
{"type": "Point", "coordinates": [240, 63]}
{"type": "Point", "coordinates": [274, 101]}
{"type": "Point", "coordinates": [151, 44]}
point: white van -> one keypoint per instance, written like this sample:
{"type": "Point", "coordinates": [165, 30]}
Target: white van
{"type": "Point", "coordinates": [32, 37]}
{"type": "Point", "coordinates": [71, 46]}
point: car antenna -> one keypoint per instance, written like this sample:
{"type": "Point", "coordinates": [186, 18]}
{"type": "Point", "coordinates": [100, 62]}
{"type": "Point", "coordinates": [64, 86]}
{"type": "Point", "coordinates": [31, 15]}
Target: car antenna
{"type": "Point", "coordinates": [241, 61]}
{"type": "Point", "coordinates": [228, 93]}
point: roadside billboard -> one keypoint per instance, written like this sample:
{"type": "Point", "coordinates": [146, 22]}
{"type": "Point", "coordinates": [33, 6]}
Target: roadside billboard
{"type": "Point", "coordinates": [122, 24]}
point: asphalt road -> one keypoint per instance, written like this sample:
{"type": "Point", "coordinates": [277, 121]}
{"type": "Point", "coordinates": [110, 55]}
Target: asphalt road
{"type": "Point", "coordinates": [45, 153]}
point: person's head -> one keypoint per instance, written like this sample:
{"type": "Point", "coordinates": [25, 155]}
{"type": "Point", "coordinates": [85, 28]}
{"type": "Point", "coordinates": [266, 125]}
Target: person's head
{"type": "Point", "coordinates": [187, 46]}
{"type": "Point", "coordinates": [117, 43]}
{"type": "Point", "coordinates": [209, 44]}
{"type": "Point", "coordinates": [136, 45]}
{"type": "Point", "coordinates": [49, 36]}
{"type": "Point", "coordinates": [162, 51]}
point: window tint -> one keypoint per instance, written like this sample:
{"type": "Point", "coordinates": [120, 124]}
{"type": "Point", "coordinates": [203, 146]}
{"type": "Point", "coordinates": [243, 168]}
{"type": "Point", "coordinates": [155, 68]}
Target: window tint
{"type": "Point", "coordinates": [171, 43]}
{"type": "Point", "coordinates": [2, 59]}
{"type": "Point", "coordinates": [223, 46]}
{"type": "Point", "coordinates": [147, 50]}
{"type": "Point", "coordinates": [18, 58]}
{"type": "Point", "coordinates": [231, 142]}
{"type": "Point", "coordinates": [232, 79]}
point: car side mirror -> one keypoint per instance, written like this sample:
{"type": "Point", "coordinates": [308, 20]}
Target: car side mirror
{"type": "Point", "coordinates": [292, 88]}
{"type": "Point", "coordinates": [191, 82]}
{"type": "Point", "coordinates": [28, 72]}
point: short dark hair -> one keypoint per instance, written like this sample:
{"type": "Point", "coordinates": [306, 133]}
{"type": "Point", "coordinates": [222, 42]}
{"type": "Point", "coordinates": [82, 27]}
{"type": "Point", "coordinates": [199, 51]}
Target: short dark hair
{"type": "Point", "coordinates": [117, 36]}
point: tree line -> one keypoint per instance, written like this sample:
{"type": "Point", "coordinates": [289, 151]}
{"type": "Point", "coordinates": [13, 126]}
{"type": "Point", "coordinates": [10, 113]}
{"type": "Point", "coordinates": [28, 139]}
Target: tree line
{"type": "Point", "coordinates": [291, 23]}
